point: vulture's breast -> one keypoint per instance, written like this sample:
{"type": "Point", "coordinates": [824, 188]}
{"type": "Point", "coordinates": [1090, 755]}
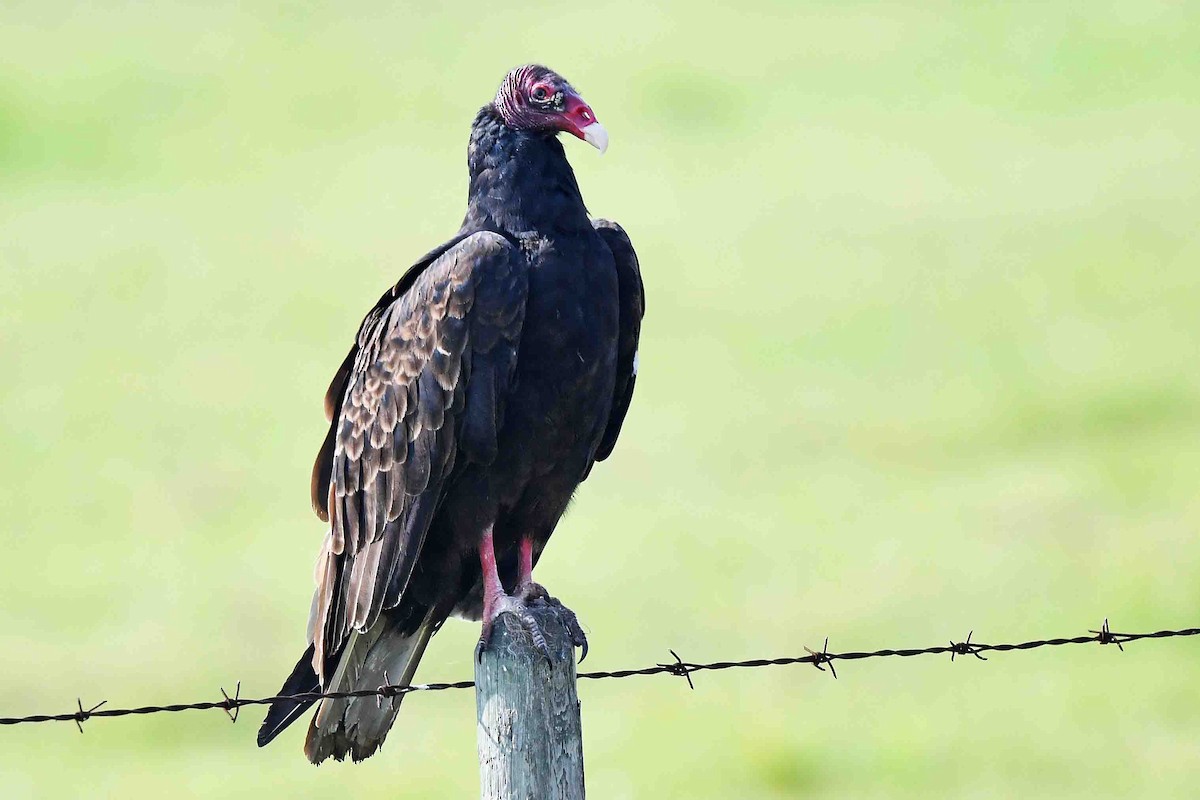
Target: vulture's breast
{"type": "Point", "coordinates": [566, 365]}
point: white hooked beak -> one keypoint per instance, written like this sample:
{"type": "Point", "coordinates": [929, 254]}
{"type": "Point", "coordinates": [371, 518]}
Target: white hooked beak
{"type": "Point", "coordinates": [596, 136]}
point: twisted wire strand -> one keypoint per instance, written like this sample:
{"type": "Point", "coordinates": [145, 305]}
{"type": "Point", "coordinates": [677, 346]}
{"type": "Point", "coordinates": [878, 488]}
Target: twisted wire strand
{"type": "Point", "coordinates": [819, 659]}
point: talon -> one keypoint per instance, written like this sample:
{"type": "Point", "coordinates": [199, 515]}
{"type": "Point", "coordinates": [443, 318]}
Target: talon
{"type": "Point", "coordinates": [574, 629]}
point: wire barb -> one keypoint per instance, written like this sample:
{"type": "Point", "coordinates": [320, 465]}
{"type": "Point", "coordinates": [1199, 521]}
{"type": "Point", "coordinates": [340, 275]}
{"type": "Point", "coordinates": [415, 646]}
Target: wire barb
{"type": "Point", "coordinates": [823, 657]}
{"type": "Point", "coordinates": [388, 690]}
{"type": "Point", "coordinates": [1106, 636]}
{"type": "Point", "coordinates": [681, 668]}
{"type": "Point", "coordinates": [82, 716]}
{"type": "Point", "coordinates": [232, 705]}
{"type": "Point", "coordinates": [966, 648]}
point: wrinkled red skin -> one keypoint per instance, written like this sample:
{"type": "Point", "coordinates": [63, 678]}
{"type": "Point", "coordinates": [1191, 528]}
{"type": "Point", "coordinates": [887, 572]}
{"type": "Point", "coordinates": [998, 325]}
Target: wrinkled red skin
{"type": "Point", "coordinates": [561, 110]}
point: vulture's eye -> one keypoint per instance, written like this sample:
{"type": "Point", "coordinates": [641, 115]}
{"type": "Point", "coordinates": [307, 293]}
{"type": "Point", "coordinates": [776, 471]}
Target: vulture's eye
{"type": "Point", "coordinates": [540, 93]}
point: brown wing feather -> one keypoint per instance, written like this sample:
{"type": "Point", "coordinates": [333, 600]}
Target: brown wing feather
{"type": "Point", "coordinates": [336, 393]}
{"type": "Point", "coordinates": [396, 436]}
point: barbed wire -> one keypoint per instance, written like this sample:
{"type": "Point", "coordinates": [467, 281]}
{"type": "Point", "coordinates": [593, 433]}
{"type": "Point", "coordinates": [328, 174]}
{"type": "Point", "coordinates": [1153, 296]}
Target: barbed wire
{"type": "Point", "coordinates": [684, 669]}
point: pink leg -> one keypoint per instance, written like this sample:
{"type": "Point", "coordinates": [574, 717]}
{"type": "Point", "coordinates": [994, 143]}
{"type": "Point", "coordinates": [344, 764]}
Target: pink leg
{"type": "Point", "coordinates": [526, 563]}
{"type": "Point", "coordinates": [493, 589]}
{"type": "Point", "coordinates": [530, 591]}
{"type": "Point", "coordinates": [496, 601]}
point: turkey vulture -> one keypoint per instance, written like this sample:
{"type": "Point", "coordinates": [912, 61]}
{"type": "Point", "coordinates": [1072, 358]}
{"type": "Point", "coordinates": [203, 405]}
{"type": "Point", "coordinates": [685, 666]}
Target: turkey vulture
{"type": "Point", "coordinates": [478, 394]}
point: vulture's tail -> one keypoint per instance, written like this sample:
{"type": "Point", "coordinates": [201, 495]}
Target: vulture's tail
{"type": "Point", "coordinates": [357, 726]}
{"type": "Point", "coordinates": [284, 712]}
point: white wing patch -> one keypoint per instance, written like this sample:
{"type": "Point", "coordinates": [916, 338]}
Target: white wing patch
{"type": "Point", "coordinates": [635, 363]}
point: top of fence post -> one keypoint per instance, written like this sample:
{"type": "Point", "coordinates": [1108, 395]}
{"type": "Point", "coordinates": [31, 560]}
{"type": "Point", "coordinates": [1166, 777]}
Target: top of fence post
{"type": "Point", "coordinates": [530, 740]}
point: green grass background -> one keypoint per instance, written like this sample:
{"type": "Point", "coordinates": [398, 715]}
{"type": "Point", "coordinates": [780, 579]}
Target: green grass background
{"type": "Point", "coordinates": [920, 358]}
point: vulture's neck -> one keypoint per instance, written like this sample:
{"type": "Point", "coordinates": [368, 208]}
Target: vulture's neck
{"type": "Point", "coordinates": [521, 182]}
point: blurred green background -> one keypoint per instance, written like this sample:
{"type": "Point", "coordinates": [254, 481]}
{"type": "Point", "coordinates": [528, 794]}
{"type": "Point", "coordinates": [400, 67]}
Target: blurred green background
{"type": "Point", "coordinates": [920, 358]}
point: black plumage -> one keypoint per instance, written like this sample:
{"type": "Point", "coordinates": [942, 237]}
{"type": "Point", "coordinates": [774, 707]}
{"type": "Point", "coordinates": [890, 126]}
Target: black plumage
{"type": "Point", "coordinates": [478, 394]}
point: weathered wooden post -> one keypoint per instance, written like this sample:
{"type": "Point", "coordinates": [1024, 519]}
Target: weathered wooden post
{"type": "Point", "coordinates": [530, 740]}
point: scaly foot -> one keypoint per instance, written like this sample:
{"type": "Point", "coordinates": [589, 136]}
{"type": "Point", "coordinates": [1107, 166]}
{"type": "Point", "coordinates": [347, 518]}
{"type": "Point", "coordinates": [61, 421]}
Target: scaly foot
{"type": "Point", "coordinates": [536, 592]}
{"type": "Point", "coordinates": [529, 596]}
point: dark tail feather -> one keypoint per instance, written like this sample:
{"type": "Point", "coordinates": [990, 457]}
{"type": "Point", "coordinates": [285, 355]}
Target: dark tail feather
{"type": "Point", "coordinates": [356, 727]}
{"type": "Point", "coordinates": [284, 712]}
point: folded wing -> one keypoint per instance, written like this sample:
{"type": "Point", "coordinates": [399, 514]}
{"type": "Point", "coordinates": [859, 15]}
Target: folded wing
{"type": "Point", "coordinates": [632, 307]}
{"type": "Point", "coordinates": [421, 392]}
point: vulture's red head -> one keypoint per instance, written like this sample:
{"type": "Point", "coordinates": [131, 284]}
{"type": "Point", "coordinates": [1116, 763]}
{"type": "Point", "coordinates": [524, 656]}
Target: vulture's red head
{"type": "Point", "coordinates": [534, 98]}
